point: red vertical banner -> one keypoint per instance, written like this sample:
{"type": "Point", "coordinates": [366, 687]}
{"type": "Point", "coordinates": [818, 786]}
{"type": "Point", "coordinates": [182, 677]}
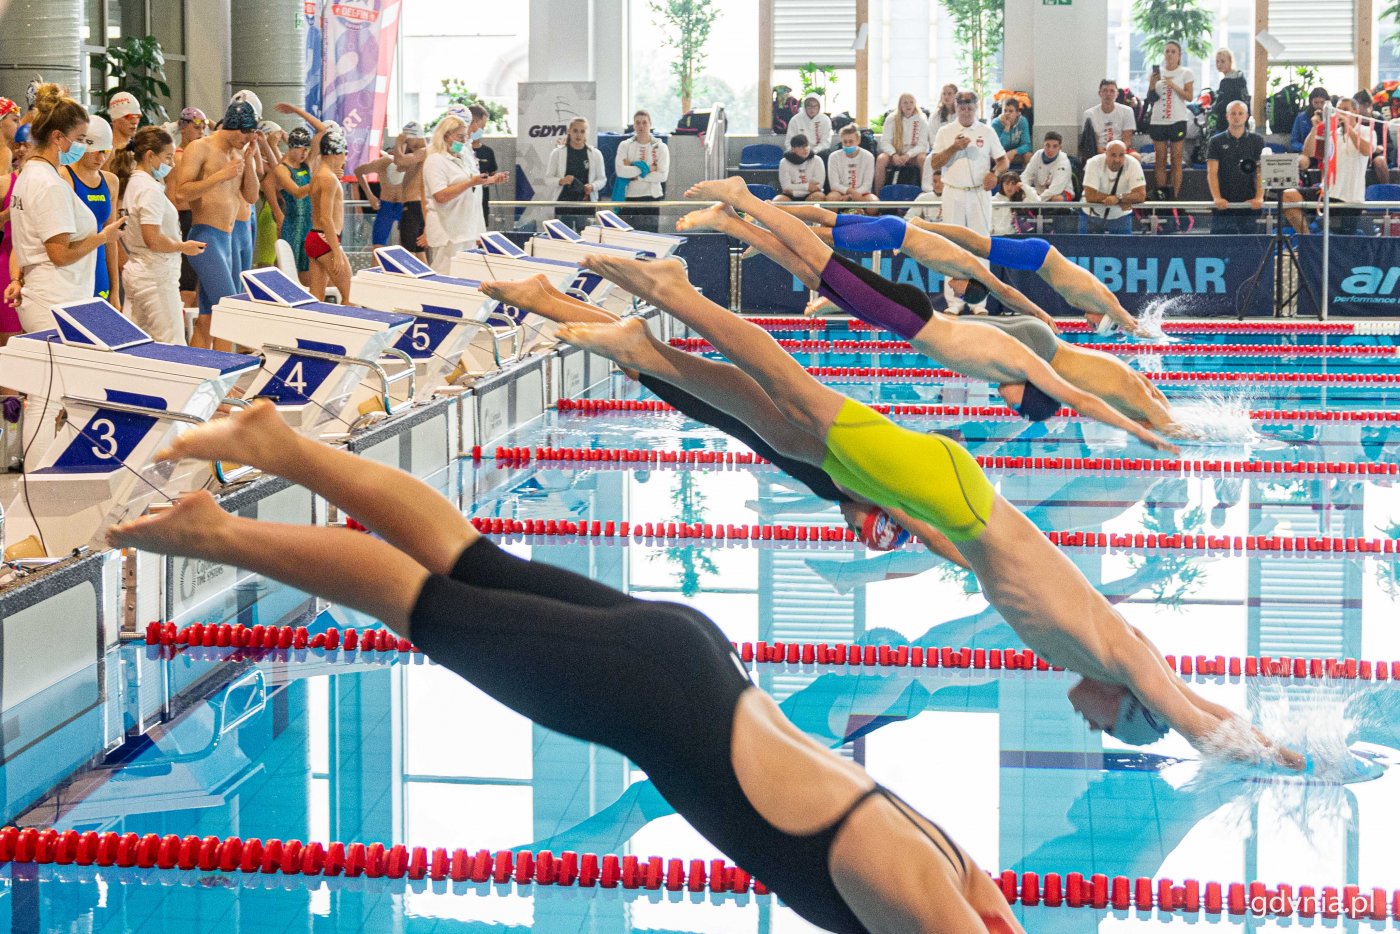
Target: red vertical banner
{"type": "Point", "coordinates": [388, 47]}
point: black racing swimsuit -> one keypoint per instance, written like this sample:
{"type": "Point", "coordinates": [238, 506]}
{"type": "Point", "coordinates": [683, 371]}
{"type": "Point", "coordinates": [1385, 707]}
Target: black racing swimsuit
{"type": "Point", "coordinates": [658, 682]}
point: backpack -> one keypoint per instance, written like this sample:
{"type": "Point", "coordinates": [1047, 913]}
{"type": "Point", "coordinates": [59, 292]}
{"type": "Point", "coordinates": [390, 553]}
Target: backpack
{"type": "Point", "coordinates": [784, 107]}
{"type": "Point", "coordinates": [868, 141]}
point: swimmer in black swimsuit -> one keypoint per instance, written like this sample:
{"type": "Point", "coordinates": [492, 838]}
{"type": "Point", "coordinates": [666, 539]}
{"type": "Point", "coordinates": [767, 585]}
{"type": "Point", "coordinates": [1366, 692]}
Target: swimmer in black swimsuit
{"type": "Point", "coordinates": [656, 681]}
{"type": "Point", "coordinates": [1027, 383]}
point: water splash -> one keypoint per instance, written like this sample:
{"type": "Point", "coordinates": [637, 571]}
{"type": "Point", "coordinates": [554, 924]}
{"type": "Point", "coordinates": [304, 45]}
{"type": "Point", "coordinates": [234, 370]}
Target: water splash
{"type": "Point", "coordinates": [1151, 317]}
{"type": "Point", "coordinates": [1216, 417]}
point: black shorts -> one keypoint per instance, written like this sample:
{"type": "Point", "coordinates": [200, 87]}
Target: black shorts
{"type": "Point", "coordinates": [1167, 132]}
{"type": "Point", "coordinates": [411, 226]}
{"type": "Point", "coordinates": [189, 282]}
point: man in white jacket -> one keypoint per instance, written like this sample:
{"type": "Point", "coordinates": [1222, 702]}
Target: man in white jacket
{"type": "Point", "coordinates": [850, 170]}
{"type": "Point", "coordinates": [813, 124]}
{"type": "Point", "coordinates": [801, 173]}
{"type": "Point", "coordinates": [1048, 172]}
{"type": "Point", "coordinates": [645, 162]}
{"type": "Point", "coordinates": [575, 171]}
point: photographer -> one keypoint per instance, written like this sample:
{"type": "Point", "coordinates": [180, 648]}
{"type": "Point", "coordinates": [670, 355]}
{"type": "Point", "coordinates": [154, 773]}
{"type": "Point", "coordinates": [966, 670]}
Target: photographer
{"type": "Point", "coordinates": [577, 171]}
{"type": "Point", "coordinates": [1234, 174]}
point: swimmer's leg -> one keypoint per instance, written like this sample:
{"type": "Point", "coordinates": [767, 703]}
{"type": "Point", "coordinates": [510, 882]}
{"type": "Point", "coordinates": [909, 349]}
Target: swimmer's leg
{"type": "Point", "coordinates": [942, 255]}
{"type": "Point", "coordinates": [214, 267]}
{"type": "Point", "coordinates": [811, 214]}
{"type": "Point", "coordinates": [722, 218]}
{"type": "Point", "coordinates": [975, 243]}
{"type": "Point", "coordinates": [801, 399]}
{"type": "Point", "coordinates": [538, 296]}
{"type": "Point", "coordinates": [791, 231]}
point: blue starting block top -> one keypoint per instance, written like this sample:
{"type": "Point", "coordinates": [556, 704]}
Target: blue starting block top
{"type": "Point", "coordinates": [558, 230]}
{"type": "Point", "coordinates": [610, 219]}
{"type": "Point", "coordinates": [219, 360]}
{"type": "Point", "coordinates": [498, 244]}
{"type": "Point", "coordinates": [94, 323]}
{"type": "Point", "coordinates": [399, 261]}
{"type": "Point", "coordinates": [276, 287]}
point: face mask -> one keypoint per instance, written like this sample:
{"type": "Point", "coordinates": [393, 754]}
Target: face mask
{"type": "Point", "coordinates": [161, 170]}
{"type": "Point", "coordinates": [849, 150]}
{"type": "Point", "coordinates": [74, 153]}
{"type": "Point", "coordinates": [457, 147]}
{"type": "Point", "coordinates": [478, 134]}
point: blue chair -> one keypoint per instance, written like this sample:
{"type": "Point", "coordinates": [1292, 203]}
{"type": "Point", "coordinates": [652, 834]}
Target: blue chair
{"type": "Point", "coordinates": [1383, 192]}
{"type": "Point", "coordinates": [763, 192]}
{"type": "Point", "coordinates": [760, 156]}
{"type": "Point", "coordinates": [899, 193]}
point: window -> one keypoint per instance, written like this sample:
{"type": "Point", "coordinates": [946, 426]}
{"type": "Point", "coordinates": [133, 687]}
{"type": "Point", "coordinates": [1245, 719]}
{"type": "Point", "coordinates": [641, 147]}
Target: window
{"type": "Point", "coordinates": [108, 22]}
{"type": "Point", "coordinates": [728, 76]}
{"type": "Point", "coordinates": [490, 53]}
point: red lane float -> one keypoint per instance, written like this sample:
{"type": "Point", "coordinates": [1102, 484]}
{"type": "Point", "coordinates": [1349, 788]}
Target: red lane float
{"type": "Point", "coordinates": [1262, 351]}
{"type": "Point", "coordinates": [1069, 326]}
{"type": "Point", "coordinates": [508, 870]}
{"type": "Point", "coordinates": [510, 456]}
{"type": "Point", "coordinates": [590, 407]}
{"type": "Point", "coordinates": [924, 374]}
{"type": "Point", "coordinates": [1134, 542]}
{"type": "Point", "coordinates": [224, 635]}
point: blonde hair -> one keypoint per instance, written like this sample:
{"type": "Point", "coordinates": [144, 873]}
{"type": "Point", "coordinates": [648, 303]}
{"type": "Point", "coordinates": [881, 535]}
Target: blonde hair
{"type": "Point", "coordinates": [1229, 57]}
{"type": "Point", "coordinates": [54, 111]}
{"type": "Point", "coordinates": [446, 126]}
{"type": "Point", "coordinates": [898, 116]}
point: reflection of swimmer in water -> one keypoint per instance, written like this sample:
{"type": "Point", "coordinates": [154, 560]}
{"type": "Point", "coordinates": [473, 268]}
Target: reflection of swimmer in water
{"type": "Point", "coordinates": [1127, 684]}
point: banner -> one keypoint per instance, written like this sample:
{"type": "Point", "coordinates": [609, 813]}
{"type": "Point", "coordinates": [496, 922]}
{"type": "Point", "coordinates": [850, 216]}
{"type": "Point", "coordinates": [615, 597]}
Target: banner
{"type": "Point", "coordinates": [1196, 276]}
{"type": "Point", "coordinates": [359, 37]}
{"type": "Point", "coordinates": [315, 58]}
{"type": "Point", "coordinates": [1364, 274]}
{"type": "Point", "coordinates": [545, 109]}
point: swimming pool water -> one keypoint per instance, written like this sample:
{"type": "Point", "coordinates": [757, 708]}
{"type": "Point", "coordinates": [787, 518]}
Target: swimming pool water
{"type": "Point", "coordinates": [319, 747]}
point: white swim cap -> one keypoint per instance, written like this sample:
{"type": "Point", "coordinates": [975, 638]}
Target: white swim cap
{"type": "Point", "coordinates": [99, 135]}
{"type": "Point", "coordinates": [123, 104]}
{"type": "Point", "coordinates": [251, 99]}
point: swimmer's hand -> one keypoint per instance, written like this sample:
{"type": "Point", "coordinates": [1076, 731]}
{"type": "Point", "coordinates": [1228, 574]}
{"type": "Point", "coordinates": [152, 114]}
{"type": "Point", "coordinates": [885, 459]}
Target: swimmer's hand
{"type": "Point", "coordinates": [1155, 441]}
{"type": "Point", "coordinates": [192, 247]}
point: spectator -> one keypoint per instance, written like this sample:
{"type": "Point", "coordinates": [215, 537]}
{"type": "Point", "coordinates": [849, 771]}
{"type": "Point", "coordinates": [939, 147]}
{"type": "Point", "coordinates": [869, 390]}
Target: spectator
{"type": "Point", "coordinates": [576, 171]}
{"type": "Point", "coordinates": [801, 174]}
{"type": "Point", "coordinates": [850, 171]}
{"type": "Point", "coordinates": [930, 207]}
{"type": "Point", "coordinates": [153, 242]}
{"type": "Point", "coordinates": [125, 114]}
{"type": "Point", "coordinates": [1354, 149]}
{"type": "Point", "coordinates": [1110, 120]}
{"type": "Point", "coordinates": [970, 156]}
{"type": "Point", "coordinates": [486, 164]}
{"type": "Point", "coordinates": [98, 190]}
{"type": "Point", "coordinates": [1233, 87]}
{"type": "Point", "coordinates": [1366, 107]}
{"type": "Point", "coordinates": [946, 111]}
{"type": "Point", "coordinates": [1233, 173]}
{"type": "Point", "coordinates": [1113, 183]}
{"type": "Point", "coordinates": [1048, 173]}
{"type": "Point", "coordinates": [1307, 119]}
{"type": "Point", "coordinates": [1175, 85]}
{"type": "Point", "coordinates": [904, 141]}
{"type": "Point", "coordinates": [9, 123]}
{"type": "Point", "coordinates": [1014, 132]}
{"type": "Point", "coordinates": [55, 235]}
{"type": "Point", "coordinates": [813, 124]}
{"type": "Point", "coordinates": [451, 192]}
{"type": "Point", "coordinates": [1005, 221]}
{"type": "Point", "coordinates": [646, 162]}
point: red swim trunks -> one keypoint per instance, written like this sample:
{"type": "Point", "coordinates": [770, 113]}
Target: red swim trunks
{"type": "Point", "coordinates": [316, 245]}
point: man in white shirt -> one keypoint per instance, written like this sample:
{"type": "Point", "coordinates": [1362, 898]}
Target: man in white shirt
{"type": "Point", "coordinates": [850, 170]}
{"type": "Point", "coordinates": [813, 124]}
{"type": "Point", "coordinates": [971, 157]}
{"type": "Point", "coordinates": [1110, 120]}
{"type": "Point", "coordinates": [1048, 172]}
{"type": "Point", "coordinates": [1112, 184]}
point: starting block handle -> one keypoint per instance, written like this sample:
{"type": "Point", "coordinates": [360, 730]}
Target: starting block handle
{"type": "Point", "coordinates": [384, 379]}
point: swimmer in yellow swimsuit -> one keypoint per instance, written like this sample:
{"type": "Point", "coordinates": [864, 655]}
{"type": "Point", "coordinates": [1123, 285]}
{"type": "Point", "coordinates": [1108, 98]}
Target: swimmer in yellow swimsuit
{"type": "Point", "coordinates": [1127, 687]}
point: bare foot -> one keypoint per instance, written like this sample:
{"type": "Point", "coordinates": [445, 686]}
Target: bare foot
{"type": "Point", "coordinates": [647, 279]}
{"type": "Point", "coordinates": [819, 305]}
{"type": "Point", "coordinates": [729, 190]}
{"type": "Point", "coordinates": [627, 343]}
{"type": "Point", "coordinates": [714, 217]}
{"type": "Point", "coordinates": [256, 436]}
{"type": "Point", "coordinates": [190, 528]}
{"type": "Point", "coordinates": [531, 294]}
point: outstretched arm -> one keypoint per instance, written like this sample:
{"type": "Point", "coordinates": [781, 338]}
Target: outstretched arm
{"type": "Point", "coordinates": [1037, 371]}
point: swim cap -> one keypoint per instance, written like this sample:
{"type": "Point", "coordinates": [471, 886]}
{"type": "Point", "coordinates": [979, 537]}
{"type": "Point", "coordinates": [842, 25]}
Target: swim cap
{"type": "Point", "coordinates": [1035, 405]}
{"type": "Point", "coordinates": [976, 293]}
{"type": "Point", "coordinates": [251, 99]}
{"type": "Point", "coordinates": [240, 116]}
{"type": "Point", "coordinates": [1106, 326]}
{"type": "Point", "coordinates": [7, 107]}
{"type": "Point", "coordinates": [300, 138]}
{"type": "Point", "coordinates": [413, 130]}
{"type": "Point", "coordinates": [123, 104]}
{"type": "Point", "coordinates": [99, 135]}
{"type": "Point", "coordinates": [22, 134]}
{"type": "Point", "coordinates": [192, 114]}
{"type": "Point", "coordinates": [333, 142]}
{"type": "Point", "coordinates": [1136, 725]}
{"type": "Point", "coordinates": [267, 126]}
{"type": "Point", "coordinates": [879, 531]}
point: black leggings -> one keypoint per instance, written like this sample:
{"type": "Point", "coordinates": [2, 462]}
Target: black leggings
{"type": "Point", "coordinates": [814, 478]}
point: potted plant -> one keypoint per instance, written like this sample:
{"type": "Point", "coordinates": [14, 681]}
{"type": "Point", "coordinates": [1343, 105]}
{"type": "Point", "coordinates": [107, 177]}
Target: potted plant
{"type": "Point", "coordinates": [1183, 21]}
{"type": "Point", "coordinates": [978, 25]}
{"type": "Point", "coordinates": [815, 80]}
{"type": "Point", "coordinates": [455, 91]}
{"type": "Point", "coordinates": [137, 66]}
{"type": "Point", "coordinates": [687, 26]}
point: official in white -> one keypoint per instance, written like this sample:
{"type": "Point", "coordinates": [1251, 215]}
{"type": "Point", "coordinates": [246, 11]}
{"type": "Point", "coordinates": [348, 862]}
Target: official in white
{"type": "Point", "coordinates": [452, 191]}
{"type": "Point", "coordinates": [850, 170]}
{"type": "Point", "coordinates": [813, 124]}
{"type": "Point", "coordinates": [971, 157]}
{"type": "Point", "coordinates": [801, 173]}
{"type": "Point", "coordinates": [905, 140]}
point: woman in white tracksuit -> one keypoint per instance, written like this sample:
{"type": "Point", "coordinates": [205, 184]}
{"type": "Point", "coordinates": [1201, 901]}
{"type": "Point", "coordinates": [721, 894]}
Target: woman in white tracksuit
{"type": "Point", "coordinates": [645, 162]}
{"type": "Point", "coordinates": [154, 245]}
{"type": "Point", "coordinates": [575, 171]}
{"type": "Point", "coordinates": [905, 140]}
{"type": "Point", "coordinates": [813, 124]}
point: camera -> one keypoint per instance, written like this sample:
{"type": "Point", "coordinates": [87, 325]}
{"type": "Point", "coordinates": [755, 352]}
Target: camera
{"type": "Point", "coordinates": [1248, 166]}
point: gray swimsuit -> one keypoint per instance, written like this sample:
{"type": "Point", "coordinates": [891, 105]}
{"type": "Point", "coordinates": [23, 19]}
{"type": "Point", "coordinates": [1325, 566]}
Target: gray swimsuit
{"type": "Point", "coordinates": [1032, 332]}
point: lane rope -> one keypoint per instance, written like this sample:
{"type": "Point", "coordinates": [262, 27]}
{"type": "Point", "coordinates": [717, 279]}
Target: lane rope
{"type": "Point", "coordinates": [697, 345]}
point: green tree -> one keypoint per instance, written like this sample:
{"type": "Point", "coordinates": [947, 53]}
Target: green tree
{"type": "Point", "coordinates": [687, 26]}
{"type": "Point", "coordinates": [138, 67]}
{"type": "Point", "coordinates": [1391, 15]}
{"type": "Point", "coordinates": [1163, 21]}
{"type": "Point", "coordinates": [457, 92]}
{"type": "Point", "coordinates": [978, 25]}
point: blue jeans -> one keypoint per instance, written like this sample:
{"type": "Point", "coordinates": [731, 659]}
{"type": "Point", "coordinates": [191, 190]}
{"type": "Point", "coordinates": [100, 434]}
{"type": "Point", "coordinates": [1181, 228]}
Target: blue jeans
{"type": "Point", "coordinates": [1098, 225]}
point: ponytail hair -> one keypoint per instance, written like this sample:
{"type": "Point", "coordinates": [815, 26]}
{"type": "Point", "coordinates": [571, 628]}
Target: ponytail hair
{"type": "Point", "coordinates": [54, 111]}
{"type": "Point", "coordinates": [125, 160]}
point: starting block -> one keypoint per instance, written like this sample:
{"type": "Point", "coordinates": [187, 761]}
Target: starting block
{"type": "Point", "coordinates": [614, 231]}
{"type": "Point", "coordinates": [560, 242]}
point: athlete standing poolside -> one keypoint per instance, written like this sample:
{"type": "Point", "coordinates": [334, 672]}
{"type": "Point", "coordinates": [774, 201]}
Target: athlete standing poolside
{"type": "Point", "coordinates": [1126, 687]}
{"type": "Point", "coordinates": [1027, 383]}
{"type": "Point", "coordinates": [838, 848]}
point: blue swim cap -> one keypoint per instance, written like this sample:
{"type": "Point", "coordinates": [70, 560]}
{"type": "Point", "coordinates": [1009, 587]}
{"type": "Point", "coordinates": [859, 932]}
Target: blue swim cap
{"type": "Point", "coordinates": [1136, 725]}
{"type": "Point", "coordinates": [1035, 405]}
{"type": "Point", "coordinates": [22, 133]}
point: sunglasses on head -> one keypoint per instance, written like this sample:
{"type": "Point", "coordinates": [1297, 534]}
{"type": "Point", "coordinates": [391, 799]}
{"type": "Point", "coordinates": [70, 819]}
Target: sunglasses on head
{"type": "Point", "coordinates": [965, 101]}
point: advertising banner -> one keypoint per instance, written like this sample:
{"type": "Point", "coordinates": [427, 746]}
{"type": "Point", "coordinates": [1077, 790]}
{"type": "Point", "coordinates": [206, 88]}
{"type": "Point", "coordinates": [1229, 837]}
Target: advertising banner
{"type": "Point", "coordinates": [358, 39]}
{"type": "Point", "coordinates": [1193, 275]}
{"type": "Point", "coordinates": [546, 107]}
{"type": "Point", "coordinates": [1364, 274]}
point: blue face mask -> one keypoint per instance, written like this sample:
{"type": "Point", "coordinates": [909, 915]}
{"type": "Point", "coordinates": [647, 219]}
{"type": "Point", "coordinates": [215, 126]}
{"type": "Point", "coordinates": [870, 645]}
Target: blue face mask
{"type": "Point", "coordinates": [161, 170]}
{"type": "Point", "coordinates": [457, 147]}
{"type": "Point", "coordinates": [478, 134]}
{"type": "Point", "coordinates": [75, 152]}
{"type": "Point", "coordinates": [849, 150]}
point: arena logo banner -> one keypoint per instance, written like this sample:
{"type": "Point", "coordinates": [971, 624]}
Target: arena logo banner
{"type": "Point", "coordinates": [360, 37]}
{"type": "Point", "coordinates": [1363, 273]}
{"type": "Point", "coordinates": [546, 107]}
{"type": "Point", "coordinates": [1203, 275]}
